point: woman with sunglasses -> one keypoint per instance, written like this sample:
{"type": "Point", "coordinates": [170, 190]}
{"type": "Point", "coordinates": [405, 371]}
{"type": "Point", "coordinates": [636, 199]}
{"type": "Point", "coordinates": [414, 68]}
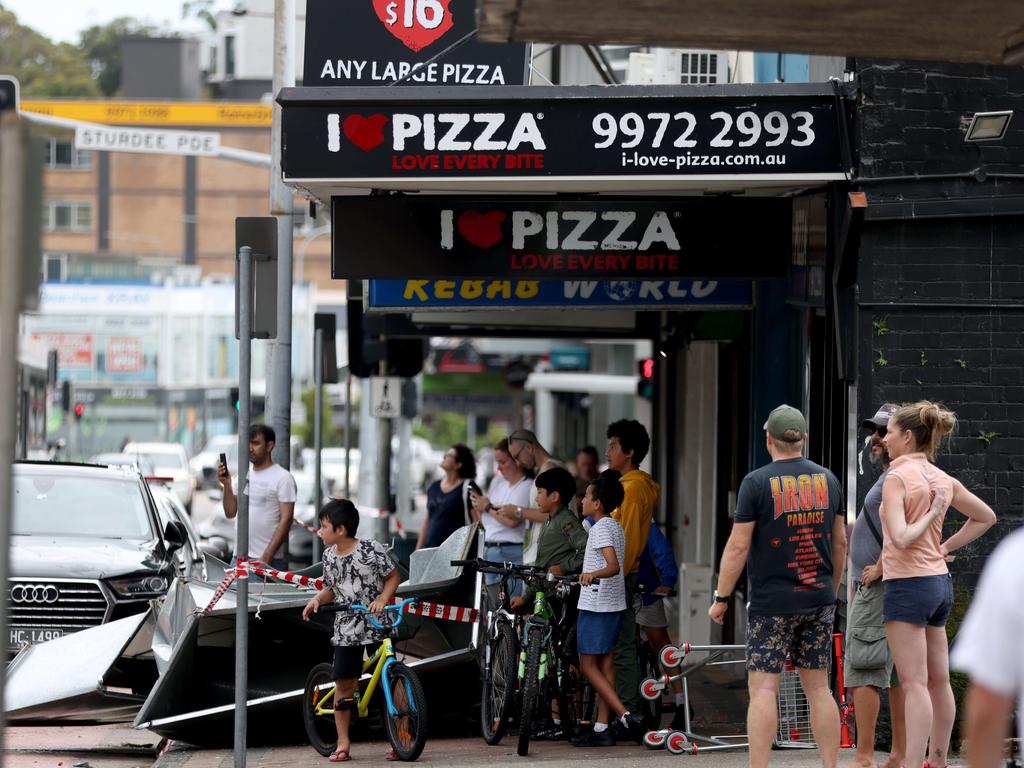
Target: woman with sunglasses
{"type": "Point", "coordinates": [918, 588]}
{"type": "Point", "coordinates": [448, 505]}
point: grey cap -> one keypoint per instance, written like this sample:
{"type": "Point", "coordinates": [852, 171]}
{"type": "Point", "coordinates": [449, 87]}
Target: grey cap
{"type": "Point", "coordinates": [784, 419]}
{"type": "Point", "coordinates": [881, 418]}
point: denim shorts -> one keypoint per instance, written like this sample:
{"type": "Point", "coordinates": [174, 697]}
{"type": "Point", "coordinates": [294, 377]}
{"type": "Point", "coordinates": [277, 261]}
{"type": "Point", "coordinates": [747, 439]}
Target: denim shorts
{"type": "Point", "coordinates": [503, 552]}
{"type": "Point", "coordinates": [919, 600]}
{"type": "Point", "coordinates": [597, 632]}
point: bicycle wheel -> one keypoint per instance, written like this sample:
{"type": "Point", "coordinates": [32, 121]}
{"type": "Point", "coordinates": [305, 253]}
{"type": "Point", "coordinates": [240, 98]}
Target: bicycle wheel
{"type": "Point", "coordinates": [531, 689]}
{"type": "Point", "coordinates": [407, 728]}
{"type": "Point", "coordinates": [576, 700]}
{"type": "Point", "coordinates": [499, 688]}
{"type": "Point", "coordinates": [320, 729]}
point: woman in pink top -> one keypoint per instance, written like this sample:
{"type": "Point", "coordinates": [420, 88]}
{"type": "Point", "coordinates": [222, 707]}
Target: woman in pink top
{"type": "Point", "coordinates": [918, 588]}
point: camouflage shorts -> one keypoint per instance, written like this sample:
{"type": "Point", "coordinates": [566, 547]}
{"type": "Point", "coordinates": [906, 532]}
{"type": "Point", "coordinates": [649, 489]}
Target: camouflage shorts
{"type": "Point", "coordinates": [806, 639]}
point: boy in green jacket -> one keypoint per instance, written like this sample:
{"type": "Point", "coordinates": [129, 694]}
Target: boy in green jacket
{"type": "Point", "coordinates": [562, 540]}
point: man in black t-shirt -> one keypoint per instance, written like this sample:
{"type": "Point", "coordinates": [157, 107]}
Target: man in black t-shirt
{"type": "Point", "coordinates": [790, 523]}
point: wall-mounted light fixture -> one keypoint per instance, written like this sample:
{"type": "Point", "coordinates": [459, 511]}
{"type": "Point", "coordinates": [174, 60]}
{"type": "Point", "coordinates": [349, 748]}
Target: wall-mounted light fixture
{"type": "Point", "coordinates": [988, 126]}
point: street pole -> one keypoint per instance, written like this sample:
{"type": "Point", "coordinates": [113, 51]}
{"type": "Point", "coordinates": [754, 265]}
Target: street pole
{"type": "Point", "coordinates": [13, 160]}
{"type": "Point", "coordinates": [382, 530]}
{"type": "Point", "coordinates": [245, 307]}
{"type": "Point", "coordinates": [318, 437]}
{"type": "Point", "coordinates": [279, 390]}
{"type": "Point", "coordinates": [348, 430]}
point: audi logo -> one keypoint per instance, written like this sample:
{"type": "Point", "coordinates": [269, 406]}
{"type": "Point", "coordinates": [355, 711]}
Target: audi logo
{"type": "Point", "coordinates": [42, 594]}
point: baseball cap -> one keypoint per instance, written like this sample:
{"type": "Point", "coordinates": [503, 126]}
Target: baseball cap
{"type": "Point", "coordinates": [881, 418]}
{"type": "Point", "coordinates": [783, 419]}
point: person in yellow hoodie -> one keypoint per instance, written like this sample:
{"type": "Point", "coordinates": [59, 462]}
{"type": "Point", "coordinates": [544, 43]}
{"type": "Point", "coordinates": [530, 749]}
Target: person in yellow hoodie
{"type": "Point", "coordinates": [628, 444]}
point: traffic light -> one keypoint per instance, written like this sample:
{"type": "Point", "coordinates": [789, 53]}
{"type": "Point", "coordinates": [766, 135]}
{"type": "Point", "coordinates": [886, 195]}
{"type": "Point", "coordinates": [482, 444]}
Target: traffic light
{"type": "Point", "coordinates": [645, 386]}
{"type": "Point", "coordinates": [79, 410]}
{"type": "Point", "coordinates": [65, 396]}
{"type": "Point", "coordinates": [233, 399]}
{"type": "Point", "coordinates": [403, 356]}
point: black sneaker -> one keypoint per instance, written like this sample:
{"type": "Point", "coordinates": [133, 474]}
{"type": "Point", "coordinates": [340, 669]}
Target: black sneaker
{"type": "Point", "coordinates": [592, 738]}
{"type": "Point", "coordinates": [634, 728]}
{"type": "Point", "coordinates": [619, 731]}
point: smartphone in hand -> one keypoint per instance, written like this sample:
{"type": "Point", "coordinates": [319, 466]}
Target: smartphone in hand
{"type": "Point", "coordinates": [224, 460]}
{"type": "Point", "coordinates": [475, 488]}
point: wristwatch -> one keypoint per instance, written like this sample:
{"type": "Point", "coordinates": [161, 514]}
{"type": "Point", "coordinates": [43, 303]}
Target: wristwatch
{"type": "Point", "coordinates": [519, 512]}
{"type": "Point", "coordinates": [720, 598]}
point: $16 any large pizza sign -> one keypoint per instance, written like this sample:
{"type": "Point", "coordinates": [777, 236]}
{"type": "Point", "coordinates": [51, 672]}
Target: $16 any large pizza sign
{"type": "Point", "coordinates": [380, 42]}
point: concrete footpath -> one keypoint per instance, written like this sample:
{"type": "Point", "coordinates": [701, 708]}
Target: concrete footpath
{"type": "Point", "coordinates": [467, 751]}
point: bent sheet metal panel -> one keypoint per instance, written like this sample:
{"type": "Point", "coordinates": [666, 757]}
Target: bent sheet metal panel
{"type": "Point", "coordinates": [71, 677]}
{"type": "Point", "coordinates": [193, 699]}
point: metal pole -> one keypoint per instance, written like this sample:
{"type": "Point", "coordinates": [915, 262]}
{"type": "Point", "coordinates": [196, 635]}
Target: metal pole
{"type": "Point", "coordinates": [348, 431]}
{"type": "Point", "coordinates": [13, 157]}
{"type": "Point", "coordinates": [318, 437]}
{"type": "Point", "coordinates": [382, 531]}
{"type": "Point", "coordinates": [245, 306]}
{"type": "Point", "coordinates": [279, 407]}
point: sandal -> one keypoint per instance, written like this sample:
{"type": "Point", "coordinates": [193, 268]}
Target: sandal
{"type": "Point", "coordinates": [392, 756]}
{"type": "Point", "coordinates": [341, 756]}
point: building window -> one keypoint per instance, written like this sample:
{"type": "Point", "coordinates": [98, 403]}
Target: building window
{"type": "Point", "coordinates": [229, 56]}
{"type": "Point", "coordinates": [61, 216]}
{"type": "Point", "coordinates": [703, 68]}
{"type": "Point", "coordinates": [55, 267]}
{"type": "Point", "coordinates": [63, 155]}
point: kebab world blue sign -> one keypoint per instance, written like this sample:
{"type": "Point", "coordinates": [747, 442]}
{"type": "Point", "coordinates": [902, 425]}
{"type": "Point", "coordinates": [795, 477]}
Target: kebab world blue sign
{"type": "Point", "coordinates": [425, 295]}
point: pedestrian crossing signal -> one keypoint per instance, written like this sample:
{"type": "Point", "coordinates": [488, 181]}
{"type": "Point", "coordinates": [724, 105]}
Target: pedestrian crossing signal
{"type": "Point", "coordinates": [645, 385]}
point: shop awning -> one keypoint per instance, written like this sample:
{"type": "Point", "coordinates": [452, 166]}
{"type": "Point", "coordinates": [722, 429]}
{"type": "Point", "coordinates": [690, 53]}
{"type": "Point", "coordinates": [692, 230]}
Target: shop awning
{"type": "Point", "coordinates": [930, 30]}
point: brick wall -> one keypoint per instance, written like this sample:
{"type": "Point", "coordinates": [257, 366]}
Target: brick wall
{"type": "Point", "coordinates": [942, 299]}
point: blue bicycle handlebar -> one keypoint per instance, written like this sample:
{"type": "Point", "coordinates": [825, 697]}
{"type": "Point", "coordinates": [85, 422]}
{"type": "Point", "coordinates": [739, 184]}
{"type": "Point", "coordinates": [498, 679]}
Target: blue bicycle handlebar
{"type": "Point", "coordinates": [398, 609]}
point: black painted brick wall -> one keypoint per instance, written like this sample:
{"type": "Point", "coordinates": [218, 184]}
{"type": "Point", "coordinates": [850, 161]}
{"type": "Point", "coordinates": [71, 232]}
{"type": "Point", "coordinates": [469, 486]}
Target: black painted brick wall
{"type": "Point", "coordinates": [942, 300]}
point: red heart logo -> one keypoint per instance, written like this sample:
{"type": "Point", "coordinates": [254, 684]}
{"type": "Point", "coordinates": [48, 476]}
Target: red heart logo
{"type": "Point", "coordinates": [365, 132]}
{"type": "Point", "coordinates": [417, 23]}
{"type": "Point", "coordinates": [481, 229]}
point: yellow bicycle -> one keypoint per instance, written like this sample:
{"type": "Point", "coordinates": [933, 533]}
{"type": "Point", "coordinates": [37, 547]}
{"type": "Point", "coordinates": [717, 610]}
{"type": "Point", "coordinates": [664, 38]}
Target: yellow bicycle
{"type": "Point", "coordinates": [405, 706]}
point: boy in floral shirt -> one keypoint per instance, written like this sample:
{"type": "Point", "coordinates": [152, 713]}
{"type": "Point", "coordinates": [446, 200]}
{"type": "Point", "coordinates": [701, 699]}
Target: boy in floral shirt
{"type": "Point", "coordinates": [356, 572]}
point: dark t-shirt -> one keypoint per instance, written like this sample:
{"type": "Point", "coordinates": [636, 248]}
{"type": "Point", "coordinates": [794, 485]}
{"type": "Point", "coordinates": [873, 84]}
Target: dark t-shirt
{"type": "Point", "coordinates": [447, 513]}
{"type": "Point", "coordinates": [793, 504]}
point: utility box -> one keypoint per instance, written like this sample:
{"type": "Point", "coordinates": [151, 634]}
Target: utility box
{"type": "Point", "coordinates": [695, 590]}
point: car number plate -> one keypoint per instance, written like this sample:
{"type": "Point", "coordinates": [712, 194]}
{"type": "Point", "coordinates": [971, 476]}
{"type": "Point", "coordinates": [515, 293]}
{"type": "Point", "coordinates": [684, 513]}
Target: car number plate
{"type": "Point", "coordinates": [25, 635]}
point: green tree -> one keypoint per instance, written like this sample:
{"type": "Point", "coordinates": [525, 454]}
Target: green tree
{"type": "Point", "coordinates": [43, 68]}
{"type": "Point", "coordinates": [202, 10]}
{"type": "Point", "coordinates": [101, 47]}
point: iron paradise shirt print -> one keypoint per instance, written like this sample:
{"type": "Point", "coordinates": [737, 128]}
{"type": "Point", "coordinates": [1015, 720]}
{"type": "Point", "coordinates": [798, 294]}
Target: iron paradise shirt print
{"type": "Point", "coordinates": [793, 504]}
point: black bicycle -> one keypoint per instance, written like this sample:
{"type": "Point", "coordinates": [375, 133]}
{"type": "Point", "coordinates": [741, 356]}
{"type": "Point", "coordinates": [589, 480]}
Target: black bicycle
{"type": "Point", "coordinates": [547, 668]}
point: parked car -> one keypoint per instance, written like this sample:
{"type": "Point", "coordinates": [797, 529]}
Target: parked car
{"type": "Point", "coordinates": [88, 546]}
{"type": "Point", "coordinates": [168, 460]}
{"type": "Point", "coordinates": [170, 509]}
{"type": "Point", "coordinates": [204, 463]}
{"type": "Point", "coordinates": [124, 459]}
{"type": "Point", "coordinates": [332, 467]}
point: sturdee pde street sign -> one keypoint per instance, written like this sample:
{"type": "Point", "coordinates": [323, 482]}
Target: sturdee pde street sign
{"type": "Point", "coordinates": [405, 236]}
{"type": "Point", "coordinates": [540, 138]}
{"type": "Point", "coordinates": [379, 42]}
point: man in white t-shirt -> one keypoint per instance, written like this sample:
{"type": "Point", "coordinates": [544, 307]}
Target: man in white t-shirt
{"type": "Point", "coordinates": [989, 647]}
{"type": "Point", "coordinates": [272, 492]}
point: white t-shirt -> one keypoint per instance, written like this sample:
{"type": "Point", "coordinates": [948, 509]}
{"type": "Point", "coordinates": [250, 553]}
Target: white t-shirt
{"type": "Point", "coordinates": [501, 492]}
{"type": "Point", "coordinates": [266, 489]}
{"type": "Point", "coordinates": [988, 646]}
{"type": "Point", "coordinates": [609, 595]}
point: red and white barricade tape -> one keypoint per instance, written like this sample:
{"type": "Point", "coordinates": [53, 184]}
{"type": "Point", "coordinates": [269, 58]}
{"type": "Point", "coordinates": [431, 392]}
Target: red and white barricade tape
{"type": "Point", "coordinates": [438, 611]}
{"type": "Point", "coordinates": [311, 528]}
{"type": "Point", "coordinates": [245, 567]}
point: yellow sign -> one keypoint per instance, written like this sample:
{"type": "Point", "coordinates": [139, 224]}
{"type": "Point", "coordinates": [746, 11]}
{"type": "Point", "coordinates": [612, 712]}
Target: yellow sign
{"type": "Point", "coordinates": [202, 113]}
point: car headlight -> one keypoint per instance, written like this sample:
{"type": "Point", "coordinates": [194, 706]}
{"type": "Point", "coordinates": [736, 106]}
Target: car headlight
{"type": "Point", "coordinates": [139, 586]}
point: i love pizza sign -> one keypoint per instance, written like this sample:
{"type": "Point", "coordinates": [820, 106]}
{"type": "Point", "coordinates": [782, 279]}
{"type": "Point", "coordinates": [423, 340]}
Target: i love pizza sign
{"type": "Point", "coordinates": [379, 42]}
{"type": "Point", "coordinates": [542, 239]}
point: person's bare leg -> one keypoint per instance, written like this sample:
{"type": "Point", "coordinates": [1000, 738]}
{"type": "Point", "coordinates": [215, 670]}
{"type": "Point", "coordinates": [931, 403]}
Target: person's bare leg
{"type": "Point", "coordinates": [596, 670]}
{"type": "Point", "coordinates": [910, 651]}
{"type": "Point", "coordinates": [941, 695]}
{"type": "Point", "coordinates": [866, 703]}
{"type": "Point", "coordinates": [343, 689]}
{"type": "Point", "coordinates": [762, 716]}
{"type": "Point", "coordinates": [824, 714]}
{"type": "Point", "coordinates": [897, 714]}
